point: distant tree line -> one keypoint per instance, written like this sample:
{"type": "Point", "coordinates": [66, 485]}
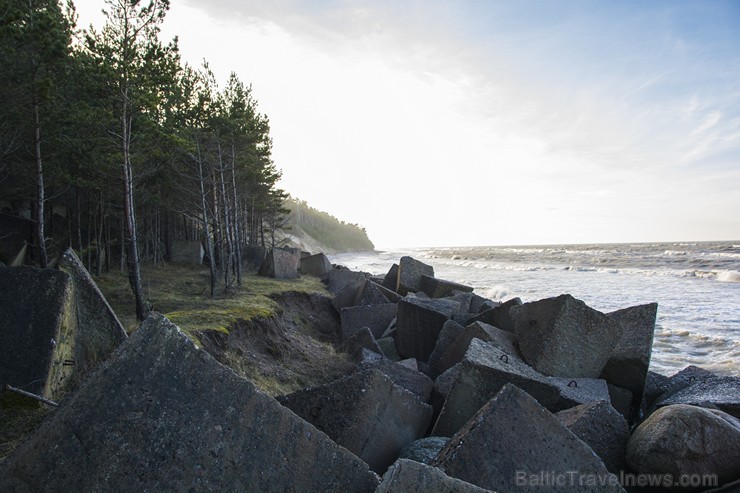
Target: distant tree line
{"type": "Point", "coordinates": [119, 147]}
{"type": "Point", "coordinates": [339, 235]}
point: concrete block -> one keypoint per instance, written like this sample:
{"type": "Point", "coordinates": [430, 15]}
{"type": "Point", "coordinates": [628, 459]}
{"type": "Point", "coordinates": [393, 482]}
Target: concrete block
{"type": "Point", "coordinates": [375, 317]}
{"type": "Point", "coordinates": [279, 264]}
{"type": "Point", "coordinates": [187, 252]}
{"type": "Point", "coordinates": [563, 337]}
{"type": "Point", "coordinates": [366, 413]}
{"type": "Point", "coordinates": [315, 265]}
{"type": "Point", "coordinates": [410, 379]}
{"type": "Point", "coordinates": [513, 441]}
{"type": "Point", "coordinates": [439, 288]}
{"type": "Point", "coordinates": [409, 476]}
{"type": "Point", "coordinates": [418, 326]}
{"type": "Point", "coordinates": [162, 415]}
{"type": "Point", "coordinates": [410, 271]}
{"type": "Point", "coordinates": [485, 370]}
{"type": "Point", "coordinates": [361, 339]}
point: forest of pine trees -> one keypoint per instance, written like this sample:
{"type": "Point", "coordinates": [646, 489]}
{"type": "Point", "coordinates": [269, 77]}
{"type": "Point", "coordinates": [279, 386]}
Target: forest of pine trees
{"type": "Point", "coordinates": [115, 147]}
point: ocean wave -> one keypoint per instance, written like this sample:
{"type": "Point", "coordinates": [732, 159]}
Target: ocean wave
{"type": "Point", "coordinates": [728, 276]}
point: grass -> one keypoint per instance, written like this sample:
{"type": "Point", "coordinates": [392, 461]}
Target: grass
{"type": "Point", "coordinates": [182, 294]}
{"type": "Point", "coordinates": [19, 416]}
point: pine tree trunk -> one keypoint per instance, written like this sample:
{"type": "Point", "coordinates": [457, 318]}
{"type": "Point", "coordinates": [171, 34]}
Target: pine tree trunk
{"type": "Point", "coordinates": [40, 239]}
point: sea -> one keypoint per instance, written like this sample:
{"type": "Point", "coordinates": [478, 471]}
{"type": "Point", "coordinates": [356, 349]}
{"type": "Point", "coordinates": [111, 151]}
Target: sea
{"type": "Point", "coordinates": [696, 286]}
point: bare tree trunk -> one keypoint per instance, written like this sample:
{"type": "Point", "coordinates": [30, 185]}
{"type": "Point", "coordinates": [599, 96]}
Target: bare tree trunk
{"type": "Point", "coordinates": [206, 222]}
{"type": "Point", "coordinates": [227, 226]}
{"type": "Point", "coordinates": [237, 246]}
{"type": "Point", "coordinates": [40, 238]}
{"type": "Point", "coordinates": [134, 265]}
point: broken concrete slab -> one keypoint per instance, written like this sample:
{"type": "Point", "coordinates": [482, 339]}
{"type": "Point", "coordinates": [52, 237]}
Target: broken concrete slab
{"type": "Point", "coordinates": [424, 450]}
{"type": "Point", "coordinates": [366, 413]}
{"type": "Point", "coordinates": [439, 288]}
{"type": "Point", "coordinates": [359, 292]}
{"type": "Point", "coordinates": [38, 330]}
{"type": "Point", "coordinates": [485, 370]}
{"type": "Point", "coordinates": [602, 428]}
{"type": "Point", "coordinates": [628, 365]}
{"type": "Point", "coordinates": [186, 252]}
{"type": "Point", "coordinates": [361, 339]}
{"type": "Point", "coordinates": [99, 331]}
{"type": "Point", "coordinates": [419, 323]}
{"type": "Point", "coordinates": [412, 380]}
{"type": "Point", "coordinates": [410, 271]}
{"type": "Point", "coordinates": [162, 415]}
{"type": "Point", "coordinates": [721, 393]}
{"type": "Point", "coordinates": [279, 264]}
{"type": "Point", "coordinates": [682, 440]}
{"type": "Point", "coordinates": [448, 334]}
{"type": "Point", "coordinates": [315, 265]}
{"type": "Point", "coordinates": [375, 317]}
{"type": "Point", "coordinates": [563, 337]}
{"type": "Point", "coordinates": [498, 315]}
{"type": "Point", "coordinates": [512, 441]}
{"type": "Point", "coordinates": [410, 476]}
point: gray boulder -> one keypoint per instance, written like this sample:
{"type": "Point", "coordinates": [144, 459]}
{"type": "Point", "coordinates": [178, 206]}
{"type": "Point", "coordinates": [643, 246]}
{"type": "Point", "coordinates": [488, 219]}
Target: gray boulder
{"type": "Point", "coordinates": [419, 323]}
{"type": "Point", "coordinates": [279, 264]}
{"type": "Point", "coordinates": [628, 365]}
{"type": "Point", "coordinates": [602, 428]}
{"type": "Point", "coordinates": [409, 476]}
{"type": "Point", "coordinates": [439, 288]}
{"type": "Point", "coordinates": [366, 413]}
{"type": "Point", "coordinates": [682, 439]}
{"type": "Point", "coordinates": [513, 441]}
{"type": "Point", "coordinates": [162, 415]}
{"type": "Point", "coordinates": [315, 265]}
{"type": "Point", "coordinates": [410, 271]}
{"type": "Point", "coordinates": [485, 370]}
{"type": "Point", "coordinates": [424, 450]}
{"type": "Point", "coordinates": [563, 337]}
{"type": "Point", "coordinates": [375, 317]}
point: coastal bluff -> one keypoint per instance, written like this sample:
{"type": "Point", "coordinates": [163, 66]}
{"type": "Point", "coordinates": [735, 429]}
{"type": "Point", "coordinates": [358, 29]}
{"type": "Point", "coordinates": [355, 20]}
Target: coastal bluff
{"type": "Point", "coordinates": [444, 391]}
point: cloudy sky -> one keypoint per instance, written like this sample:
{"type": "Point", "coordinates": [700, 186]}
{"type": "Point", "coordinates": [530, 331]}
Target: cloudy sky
{"type": "Point", "coordinates": [466, 122]}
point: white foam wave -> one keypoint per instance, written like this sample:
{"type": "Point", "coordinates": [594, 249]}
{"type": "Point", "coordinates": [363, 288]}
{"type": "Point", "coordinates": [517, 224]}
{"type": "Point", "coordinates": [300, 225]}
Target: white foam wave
{"type": "Point", "coordinates": [728, 276]}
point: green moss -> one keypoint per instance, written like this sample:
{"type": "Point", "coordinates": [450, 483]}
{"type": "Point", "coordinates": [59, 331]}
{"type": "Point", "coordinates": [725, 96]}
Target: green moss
{"type": "Point", "coordinates": [182, 293]}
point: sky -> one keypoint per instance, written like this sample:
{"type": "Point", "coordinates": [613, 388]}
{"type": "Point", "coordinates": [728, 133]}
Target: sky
{"type": "Point", "coordinates": [472, 122]}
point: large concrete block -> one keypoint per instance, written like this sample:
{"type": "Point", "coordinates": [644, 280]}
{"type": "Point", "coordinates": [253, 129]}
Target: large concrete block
{"type": "Point", "coordinates": [409, 476]}
{"type": "Point", "coordinates": [506, 341]}
{"type": "Point", "coordinates": [628, 365]}
{"type": "Point", "coordinates": [99, 331]}
{"type": "Point", "coordinates": [563, 337]}
{"type": "Point", "coordinates": [38, 330]}
{"type": "Point", "coordinates": [338, 278]}
{"type": "Point", "coordinates": [439, 288]}
{"type": "Point", "coordinates": [279, 264]}
{"type": "Point", "coordinates": [315, 265]}
{"type": "Point", "coordinates": [375, 317]}
{"type": "Point", "coordinates": [512, 442]}
{"type": "Point", "coordinates": [424, 450]}
{"type": "Point", "coordinates": [366, 413]}
{"type": "Point", "coordinates": [412, 380]}
{"type": "Point", "coordinates": [448, 334]}
{"type": "Point", "coordinates": [410, 271]}
{"type": "Point", "coordinates": [254, 256]}
{"type": "Point", "coordinates": [485, 370]}
{"type": "Point", "coordinates": [602, 428]}
{"type": "Point", "coordinates": [361, 339]}
{"type": "Point", "coordinates": [390, 281]}
{"type": "Point", "coordinates": [186, 252]}
{"type": "Point", "coordinates": [499, 315]}
{"type": "Point", "coordinates": [721, 393]}
{"type": "Point", "coordinates": [388, 346]}
{"type": "Point", "coordinates": [419, 324]}
{"type": "Point", "coordinates": [162, 415]}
